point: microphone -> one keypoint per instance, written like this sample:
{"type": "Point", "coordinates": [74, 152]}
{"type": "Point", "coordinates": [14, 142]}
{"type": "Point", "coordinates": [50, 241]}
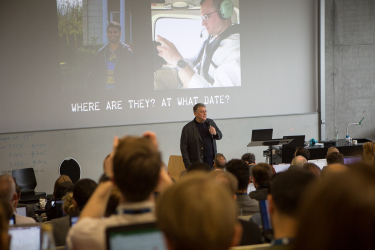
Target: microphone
{"type": "Point", "coordinates": [209, 126]}
{"type": "Point", "coordinates": [202, 32]}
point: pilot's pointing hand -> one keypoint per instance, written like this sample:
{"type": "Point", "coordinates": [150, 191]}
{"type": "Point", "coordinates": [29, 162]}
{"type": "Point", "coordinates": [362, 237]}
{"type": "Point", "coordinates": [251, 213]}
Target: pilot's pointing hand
{"type": "Point", "coordinates": [168, 51]}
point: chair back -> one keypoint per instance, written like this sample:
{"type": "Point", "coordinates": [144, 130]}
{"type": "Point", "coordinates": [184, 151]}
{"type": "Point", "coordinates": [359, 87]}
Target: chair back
{"type": "Point", "coordinates": [71, 168]}
{"type": "Point", "coordinates": [25, 178]}
{"type": "Point", "coordinates": [175, 166]}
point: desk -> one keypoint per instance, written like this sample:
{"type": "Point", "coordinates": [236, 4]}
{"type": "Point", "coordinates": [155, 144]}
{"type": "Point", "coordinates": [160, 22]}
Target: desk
{"type": "Point", "coordinates": [318, 152]}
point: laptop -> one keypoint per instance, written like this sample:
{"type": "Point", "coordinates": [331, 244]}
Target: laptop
{"type": "Point", "coordinates": [26, 236]}
{"type": "Point", "coordinates": [352, 159]}
{"type": "Point", "coordinates": [21, 211]}
{"type": "Point", "coordinates": [139, 236]}
{"type": "Point", "coordinates": [298, 141]}
{"type": "Point", "coordinates": [266, 220]}
{"type": "Point", "coordinates": [261, 134]}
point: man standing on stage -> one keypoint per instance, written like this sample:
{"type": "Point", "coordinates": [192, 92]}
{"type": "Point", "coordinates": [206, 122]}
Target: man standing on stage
{"type": "Point", "coordinates": [198, 138]}
{"type": "Point", "coordinates": [113, 68]}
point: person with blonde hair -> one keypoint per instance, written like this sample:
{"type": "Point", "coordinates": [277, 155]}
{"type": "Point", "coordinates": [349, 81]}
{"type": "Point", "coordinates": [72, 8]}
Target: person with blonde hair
{"type": "Point", "coordinates": [369, 152]}
{"type": "Point", "coordinates": [198, 213]}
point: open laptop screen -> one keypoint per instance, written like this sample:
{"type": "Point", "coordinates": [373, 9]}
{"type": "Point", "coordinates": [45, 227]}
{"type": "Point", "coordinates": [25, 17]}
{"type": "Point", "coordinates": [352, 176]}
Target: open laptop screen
{"type": "Point", "coordinates": [261, 134]}
{"type": "Point", "coordinates": [21, 211]}
{"type": "Point", "coordinates": [139, 236]}
{"type": "Point", "coordinates": [25, 237]}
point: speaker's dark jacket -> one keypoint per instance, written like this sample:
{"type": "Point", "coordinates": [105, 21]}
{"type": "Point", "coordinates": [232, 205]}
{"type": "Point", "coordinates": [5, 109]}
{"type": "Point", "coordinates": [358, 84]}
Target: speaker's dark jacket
{"type": "Point", "coordinates": [191, 143]}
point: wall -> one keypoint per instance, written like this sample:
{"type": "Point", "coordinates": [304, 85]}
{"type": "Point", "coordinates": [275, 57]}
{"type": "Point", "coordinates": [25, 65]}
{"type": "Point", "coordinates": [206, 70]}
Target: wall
{"type": "Point", "coordinates": [350, 66]}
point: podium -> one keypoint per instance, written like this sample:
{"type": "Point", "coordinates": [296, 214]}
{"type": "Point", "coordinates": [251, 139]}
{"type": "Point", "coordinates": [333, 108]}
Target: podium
{"type": "Point", "coordinates": [270, 143]}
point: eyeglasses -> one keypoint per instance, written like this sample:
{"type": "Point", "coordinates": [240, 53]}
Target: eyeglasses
{"type": "Point", "coordinates": [207, 16]}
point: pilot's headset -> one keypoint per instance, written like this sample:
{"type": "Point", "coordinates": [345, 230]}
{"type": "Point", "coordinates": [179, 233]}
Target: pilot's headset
{"type": "Point", "coordinates": [226, 9]}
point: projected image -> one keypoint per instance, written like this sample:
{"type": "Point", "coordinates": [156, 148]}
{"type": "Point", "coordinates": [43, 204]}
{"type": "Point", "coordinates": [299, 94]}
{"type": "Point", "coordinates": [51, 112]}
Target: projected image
{"type": "Point", "coordinates": [94, 54]}
{"type": "Point", "coordinates": [196, 46]}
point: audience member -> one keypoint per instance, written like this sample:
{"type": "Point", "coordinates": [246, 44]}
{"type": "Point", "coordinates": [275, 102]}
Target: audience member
{"type": "Point", "coordinates": [331, 150]}
{"type": "Point", "coordinates": [136, 170]}
{"type": "Point", "coordinates": [198, 213]}
{"type": "Point", "coordinates": [240, 169]}
{"type": "Point", "coordinates": [5, 215]}
{"type": "Point", "coordinates": [333, 169]}
{"type": "Point", "coordinates": [338, 213]}
{"type": "Point", "coordinates": [302, 151]}
{"type": "Point", "coordinates": [73, 204]}
{"type": "Point", "coordinates": [286, 192]}
{"type": "Point", "coordinates": [250, 160]}
{"type": "Point", "coordinates": [219, 162]}
{"type": "Point", "coordinates": [30, 211]}
{"type": "Point", "coordinates": [251, 233]}
{"type": "Point", "coordinates": [335, 157]}
{"type": "Point", "coordinates": [63, 178]}
{"type": "Point", "coordinates": [54, 207]}
{"type": "Point", "coordinates": [299, 160]}
{"type": "Point", "coordinates": [200, 166]}
{"type": "Point", "coordinates": [8, 193]}
{"type": "Point", "coordinates": [313, 168]}
{"type": "Point", "coordinates": [369, 152]}
{"type": "Point", "coordinates": [261, 173]}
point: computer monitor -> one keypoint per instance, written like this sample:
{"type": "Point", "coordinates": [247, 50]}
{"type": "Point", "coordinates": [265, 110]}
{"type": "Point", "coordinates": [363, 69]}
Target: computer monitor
{"type": "Point", "coordinates": [139, 236]}
{"type": "Point", "coordinates": [261, 134]}
{"type": "Point", "coordinates": [27, 236]}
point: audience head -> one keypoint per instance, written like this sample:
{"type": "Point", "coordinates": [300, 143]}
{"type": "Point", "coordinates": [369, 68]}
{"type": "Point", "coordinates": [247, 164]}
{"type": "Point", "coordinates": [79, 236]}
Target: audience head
{"type": "Point", "coordinates": [261, 173]}
{"type": "Point", "coordinates": [198, 213]}
{"type": "Point", "coordinates": [240, 169]}
{"type": "Point", "coordinates": [369, 152]}
{"type": "Point", "coordinates": [61, 179]}
{"type": "Point", "coordinates": [287, 189]}
{"type": "Point", "coordinates": [226, 178]}
{"type": "Point", "coordinates": [63, 189]}
{"type": "Point", "coordinates": [200, 166]}
{"type": "Point", "coordinates": [8, 189]}
{"type": "Point", "coordinates": [313, 168]}
{"type": "Point", "coordinates": [249, 158]}
{"type": "Point", "coordinates": [339, 212]}
{"type": "Point", "coordinates": [6, 212]}
{"type": "Point", "coordinates": [82, 191]}
{"type": "Point", "coordinates": [299, 161]}
{"type": "Point", "coordinates": [335, 157]}
{"type": "Point", "coordinates": [69, 207]}
{"type": "Point", "coordinates": [220, 161]}
{"type": "Point", "coordinates": [136, 168]}
{"type": "Point", "coordinates": [302, 151]}
{"type": "Point", "coordinates": [331, 150]}
{"type": "Point", "coordinates": [333, 169]}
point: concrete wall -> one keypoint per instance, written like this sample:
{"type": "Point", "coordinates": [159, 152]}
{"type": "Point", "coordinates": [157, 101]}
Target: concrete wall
{"type": "Point", "coordinates": [350, 66]}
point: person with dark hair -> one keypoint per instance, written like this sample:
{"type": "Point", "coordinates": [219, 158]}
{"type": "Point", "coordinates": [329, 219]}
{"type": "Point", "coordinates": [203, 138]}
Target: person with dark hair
{"type": "Point", "coordinates": [62, 178]}
{"type": "Point", "coordinates": [286, 190]}
{"type": "Point", "coordinates": [198, 213]}
{"type": "Point", "coordinates": [113, 67]}
{"type": "Point", "coordinates": [82, 191]}
{"type": "Point", "coordinates": [249, 158]}
{"type": "Point", "coordinates": [260, 174]}
{"type": "Point", "coordinates": [218, 62]}
{"type": "Point", "coordinates": [54, 207]}
{"type": "Point", "coordinates": [137, 172]}
{"type": "Point", "coordinates": [240, 169]}
{"type": "Point", "coordinates": [332, 149]}
{"type": "Point", "coordinates": [335, 158]}
{"type": "Point", "coordinates": [198, 138]}
{"type": "Point", "coordinates": [313, 168]}
{"type": "Point", "coordinates": [304, 152]}
{"type": "Point", "coordinates": [219, 161]}
{"type": "Point", "coordinates": [8, 193]}
{"type": "Point", "coordinates": [199, 166]}
{"type": "Point", "coordinates": [338, 214]}
{"type": "Point", "coordinates": [369, 152]}
{"type": "Point", "coordinates": [6, 213]}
